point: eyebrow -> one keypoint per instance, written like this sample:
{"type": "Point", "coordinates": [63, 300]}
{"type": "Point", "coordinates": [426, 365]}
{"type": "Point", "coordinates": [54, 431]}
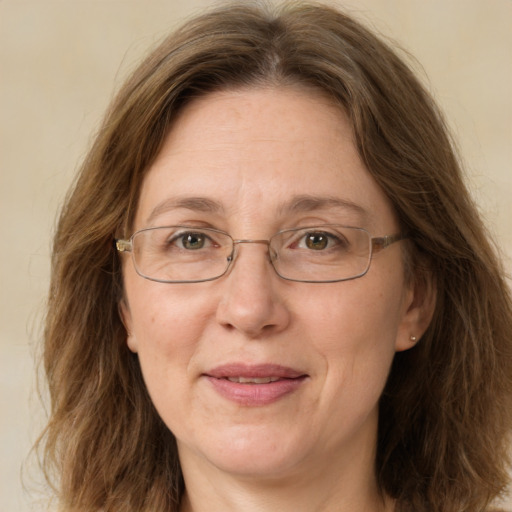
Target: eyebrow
{"type": "Point", "coordinates": [199, 204]}
{"type": "Point", "coordinates": [297, 204]}
{"type": "Point", "coordinates": [307, 203]}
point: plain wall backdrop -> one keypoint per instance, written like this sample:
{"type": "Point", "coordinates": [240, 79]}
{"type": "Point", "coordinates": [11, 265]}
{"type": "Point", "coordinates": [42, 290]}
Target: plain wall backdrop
{"type": "Point", "coordinates": [60, 63]}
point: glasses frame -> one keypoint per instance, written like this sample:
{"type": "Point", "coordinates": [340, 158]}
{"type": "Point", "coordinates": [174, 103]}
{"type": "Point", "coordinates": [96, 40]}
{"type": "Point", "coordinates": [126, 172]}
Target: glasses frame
{"type": "Point", "coordinates": [377, 244]}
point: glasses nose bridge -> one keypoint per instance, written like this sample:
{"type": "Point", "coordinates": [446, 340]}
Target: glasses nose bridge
{"type": "Point", "coordinates": [249, 241]}
{"type": "Point", "coordinates": [236, 243]}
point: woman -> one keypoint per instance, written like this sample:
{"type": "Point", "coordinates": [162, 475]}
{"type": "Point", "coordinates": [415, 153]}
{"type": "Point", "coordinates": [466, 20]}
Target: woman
{"type": "Point", "coordinates": [271, 290]}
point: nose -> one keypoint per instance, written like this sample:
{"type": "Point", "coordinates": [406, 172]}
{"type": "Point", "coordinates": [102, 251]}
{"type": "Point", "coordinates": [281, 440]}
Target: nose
{"type": "Point", "coordinates": [251, 302]}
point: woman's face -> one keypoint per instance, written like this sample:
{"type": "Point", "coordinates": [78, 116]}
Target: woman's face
{"type": "Point", "coordinates": [243, 162]}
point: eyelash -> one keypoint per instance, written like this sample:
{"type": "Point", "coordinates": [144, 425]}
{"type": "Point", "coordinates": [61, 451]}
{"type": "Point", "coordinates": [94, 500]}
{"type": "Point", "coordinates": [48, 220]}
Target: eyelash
{"type": "Point", "coordinates": [178, 239]}
{"type": "Point", "coordinates": [333, 240]}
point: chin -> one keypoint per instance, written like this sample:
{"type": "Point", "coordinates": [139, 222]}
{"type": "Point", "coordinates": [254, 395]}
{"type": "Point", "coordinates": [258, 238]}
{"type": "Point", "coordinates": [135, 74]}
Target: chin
{"type": "Point", "coordinates": [251, 454]}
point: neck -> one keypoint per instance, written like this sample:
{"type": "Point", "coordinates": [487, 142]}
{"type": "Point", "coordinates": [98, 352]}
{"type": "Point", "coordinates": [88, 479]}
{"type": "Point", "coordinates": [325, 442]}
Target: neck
{"type": "Point", "coordinates": [319, 497]}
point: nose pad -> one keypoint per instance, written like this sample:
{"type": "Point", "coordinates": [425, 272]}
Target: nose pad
{"type": "Point", "coordinates": [251, 303]}
{"type": "Point", "coordinates": [273, 256]}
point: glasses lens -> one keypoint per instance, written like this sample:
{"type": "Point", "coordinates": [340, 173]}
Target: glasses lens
{"type": "Point", "coordinates": [322, 253]}
{"type": "Point", "coordinates": [181, 254]}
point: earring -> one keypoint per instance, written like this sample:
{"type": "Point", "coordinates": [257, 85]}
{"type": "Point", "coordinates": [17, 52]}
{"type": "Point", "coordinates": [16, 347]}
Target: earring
{"type": "Point", "coordinates": [413, 339]}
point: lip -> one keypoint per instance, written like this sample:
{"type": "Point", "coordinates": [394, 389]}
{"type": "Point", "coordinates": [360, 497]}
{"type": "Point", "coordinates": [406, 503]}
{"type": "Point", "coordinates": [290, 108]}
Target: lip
{"type": "Point", "coordinates": [284, 381]}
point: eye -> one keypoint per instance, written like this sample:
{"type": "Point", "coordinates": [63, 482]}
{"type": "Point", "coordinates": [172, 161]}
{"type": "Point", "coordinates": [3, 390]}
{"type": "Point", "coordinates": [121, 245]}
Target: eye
{"type": "Point", "coordinates": [316, 241]}
{"type": "Point", "coordinates": [319, 241]}
{"type": "Point", "coordinates": [191, 241]}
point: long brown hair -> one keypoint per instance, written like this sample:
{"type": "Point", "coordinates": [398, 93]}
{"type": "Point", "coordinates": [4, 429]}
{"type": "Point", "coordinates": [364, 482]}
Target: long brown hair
{"type": "Point", "coordinates": [446, 412]}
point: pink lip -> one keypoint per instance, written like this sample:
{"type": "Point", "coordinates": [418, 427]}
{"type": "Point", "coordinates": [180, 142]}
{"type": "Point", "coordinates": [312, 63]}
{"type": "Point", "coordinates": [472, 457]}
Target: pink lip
{"type": "Point", "coordinates": [254, 394]}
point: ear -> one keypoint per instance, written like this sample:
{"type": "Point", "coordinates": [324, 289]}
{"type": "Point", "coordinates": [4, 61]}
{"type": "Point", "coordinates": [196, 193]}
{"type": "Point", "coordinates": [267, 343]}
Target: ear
{"type": "Point", "coordinates": [418, 309]}
{"type": "Point", "coordinates": [126, 318]}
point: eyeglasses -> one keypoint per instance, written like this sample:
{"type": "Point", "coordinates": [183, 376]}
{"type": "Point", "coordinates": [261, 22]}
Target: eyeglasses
{"type": "Point", "coordinates": [315, 254]}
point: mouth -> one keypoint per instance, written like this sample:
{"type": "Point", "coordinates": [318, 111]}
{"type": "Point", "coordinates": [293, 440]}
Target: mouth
{"type": "Point", "coordinates": [255, 385]}
{"type": "Point", "coordinates": [256, 380]}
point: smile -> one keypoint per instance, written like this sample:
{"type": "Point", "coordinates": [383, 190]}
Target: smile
{"type": "Point", "coordinates": [254, 386]}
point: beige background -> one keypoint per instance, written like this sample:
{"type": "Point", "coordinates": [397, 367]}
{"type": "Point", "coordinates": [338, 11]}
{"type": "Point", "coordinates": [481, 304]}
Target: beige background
{"type": "Point", "coordinates": [60, 62]}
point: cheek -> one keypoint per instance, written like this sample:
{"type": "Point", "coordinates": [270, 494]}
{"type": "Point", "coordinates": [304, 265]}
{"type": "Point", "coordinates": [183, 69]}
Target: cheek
{"type": "Point", "coordinates": [354, 328]}
{"type": "Point", "coordinates": [166, 323]}
{"type": "Point", "coordinates": [352, 312]}
{"type": "Point", "coordinates": [167, 333]}
{"type": "Point", "coordinates": [161, 312]}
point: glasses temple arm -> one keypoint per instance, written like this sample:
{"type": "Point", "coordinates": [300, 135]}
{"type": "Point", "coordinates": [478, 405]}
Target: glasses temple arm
{"type": "Point", "coordinates": [381, 242]}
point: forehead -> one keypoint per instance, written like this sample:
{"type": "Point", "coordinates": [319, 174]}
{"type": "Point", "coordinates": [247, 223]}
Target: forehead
{"type": "Point", "coordinates": [265, 153]}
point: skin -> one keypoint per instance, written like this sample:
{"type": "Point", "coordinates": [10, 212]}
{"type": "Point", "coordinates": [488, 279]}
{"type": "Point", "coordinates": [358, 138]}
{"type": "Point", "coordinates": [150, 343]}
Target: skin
{"type": "Point", "coordinates": [252, 151]}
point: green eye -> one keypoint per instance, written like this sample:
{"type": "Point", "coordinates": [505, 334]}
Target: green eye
{"type": "Point", "coordinates": [317, 241]}
{"type": "Point", "coordinates": [193, 241]}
